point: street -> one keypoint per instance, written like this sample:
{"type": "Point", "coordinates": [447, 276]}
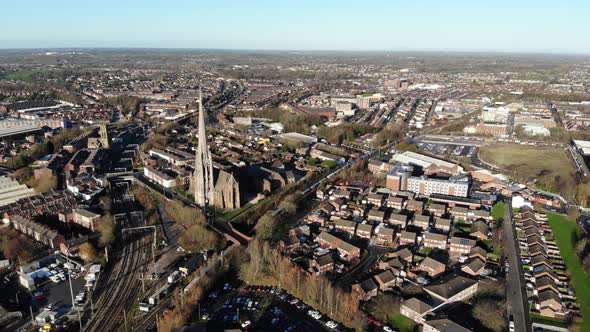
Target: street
{"type": "Point", "coordinates": [517, 304]}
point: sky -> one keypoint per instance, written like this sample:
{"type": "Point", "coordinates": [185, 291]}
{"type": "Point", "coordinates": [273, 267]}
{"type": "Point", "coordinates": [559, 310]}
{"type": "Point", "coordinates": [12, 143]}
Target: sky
{"type": "Point", "coordinates": [560, 26]}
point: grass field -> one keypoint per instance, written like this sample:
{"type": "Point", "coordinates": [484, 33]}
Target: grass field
{"type": "Point", "coordinates": [403, 323]}
{"type": "Point", "coordinates": [566, 233]}
{"type": "Point", "coordinates": [551, 166]}
{"type": "Point", "coordinates": [18, 75]}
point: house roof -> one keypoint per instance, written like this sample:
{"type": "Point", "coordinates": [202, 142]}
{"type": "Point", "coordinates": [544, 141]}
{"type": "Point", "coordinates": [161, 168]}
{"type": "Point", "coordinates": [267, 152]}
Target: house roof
{"type": "Point", "coordinates": [435, 237]}
{"type": "Point", "coordinates": [478, 251]}
{"type": "Point", "coordinates": [441, 222]}
{"type": "Point", "coordinates": [325, 260]}
{"type": "Point", "coordinates": [450, 285]}
{"type": "Point", "coordinates": [545, 281]}
{"type": "Point", "coordinates": [548, 295]}
{"type": "Point", "coordinates": [479, 226]}
{"type": "Point", "coordinates": [345, 223]}
{"type": "Point", "coordinates": [396, 263]}
{"type": "Point", "coordinates": [463, 241]}
{"type": "Point", "coordinates": [374, 196]}
{"type": "Point", "coordinates": [421, 219]}
{"type": "Point", "coordinates": [385, 231]}
{"type": "Point", "coordinates": [404, 253]}
{"type": "Point", "coordinates": [415, 204]}
{"type": "Point", "coordinates": [459, 209]}
{"type": "Point", "coordinates": [376, 213]}
{"type": "Point", "coordinates": [398, 217]}
{"type": "Point", "coordinates": [364, 228]}
{"type": "Point", "coordinates": [481, 213]}
{"type": "Point", "coordinates": [407, 235]}
{"type": "Point", "coordinates": [86, 213]}
{"type": "Point", "coordinates": [368, 285]}
{"type": "Point", "coordinates": [437, 207]}
{"type": "Point", "coordinates": [445, 325]}
{"type": "Point", "coordinates": [394, 199]}
{"type": "Point", "coordinates": [416, 305]}
{"type": "Point", "coordinates": [475, 264]}
{"type": "Point", "coordinates": [431, 263]}
{"type": "Point", "coordinates": [385, 276]}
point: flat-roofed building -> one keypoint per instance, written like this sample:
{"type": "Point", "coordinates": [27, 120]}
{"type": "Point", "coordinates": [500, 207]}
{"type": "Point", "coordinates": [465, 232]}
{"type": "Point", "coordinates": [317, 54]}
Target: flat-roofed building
{"type": "Point", "coordinates": [428, 186]}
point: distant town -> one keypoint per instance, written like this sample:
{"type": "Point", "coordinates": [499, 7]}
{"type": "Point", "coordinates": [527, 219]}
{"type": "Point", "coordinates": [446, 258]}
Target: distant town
{"type": "Point", "coordinates": [203, 190]}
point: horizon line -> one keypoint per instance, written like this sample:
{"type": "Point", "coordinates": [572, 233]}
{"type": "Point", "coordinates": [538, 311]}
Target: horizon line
{"type": "Point", "coordinates": [417, 50]}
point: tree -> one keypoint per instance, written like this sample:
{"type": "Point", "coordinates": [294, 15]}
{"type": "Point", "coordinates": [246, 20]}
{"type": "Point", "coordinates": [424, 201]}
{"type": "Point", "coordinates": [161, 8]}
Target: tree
{"type": "Point", "coordinates": [583, 194]}
{"type": "Point", "coordinates": [45, 184]}
{"type": "Point", "coordinates": [106, 229]}
{"type": "Point", "coordinates": [197, 238]}
{"type": "Point", "coordinates": [289, 204]}
{"type": "Point", "coordinates": [87, 251]}
{"type": "Point", "coordinates": [384, 307]}
{"type": "Point", "coordinates": [490, 314]}
{"type": "Point", "coordinates": [265, 227]}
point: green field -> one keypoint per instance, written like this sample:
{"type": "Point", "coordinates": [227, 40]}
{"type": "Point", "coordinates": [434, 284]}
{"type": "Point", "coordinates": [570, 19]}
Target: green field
{"type": "Point", "coordinates": [566, 232]}
{"type": "Point", "coordinates": [550, 166]}
{"type": "Point", "coordinates": [401, 322]}
{"type": "Point", "coordinates": [18, 75]}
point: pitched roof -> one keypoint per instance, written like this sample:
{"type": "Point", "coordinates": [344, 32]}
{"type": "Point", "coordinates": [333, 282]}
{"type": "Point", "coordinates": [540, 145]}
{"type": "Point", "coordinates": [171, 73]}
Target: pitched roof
{"type": "Point", "coordinates": [548, 295]}
{"type": "Point", "coordinates": [408, 235]}
{"type": "Point", "coordinates": [450, 285]}
{"type": "Point", "coordinates": [416, 305]}
{"type": "Point", "coordinates": [431, 263]}
{"type": "Point", "coordinates": [445, 325]}
{"type": "Point", "coordinates": [475, 264]}
{"type": "Point", "coordinates": [325, 260]}
{"type": "Point", "coordinates": [463, 241]}
{"type": "Point", "coordinates": [435, 237]}
{"type": "Point", "coordinates": [368, 285]}
{"type": "Point", "coordinates": [479, 226]}
{"type": "Point", "coordinates": [385, 276]}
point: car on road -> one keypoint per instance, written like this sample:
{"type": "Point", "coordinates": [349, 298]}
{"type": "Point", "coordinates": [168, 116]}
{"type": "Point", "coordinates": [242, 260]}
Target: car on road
{"type": "Point", "coordinates": [511, 324]}
{"type": "Point", "coordinates": [247, 324]}
{"type": "Point", "coordinates": [332, 324]}
{"type": "Point", "coordinates": [388, 329]}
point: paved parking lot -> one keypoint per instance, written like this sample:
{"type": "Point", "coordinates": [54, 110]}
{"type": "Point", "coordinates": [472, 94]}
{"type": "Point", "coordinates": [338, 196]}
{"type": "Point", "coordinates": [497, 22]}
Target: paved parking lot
{"type": "Point", "coordinates": [446, 150]}
{"type": "Point", "coordinates": [266, 310]}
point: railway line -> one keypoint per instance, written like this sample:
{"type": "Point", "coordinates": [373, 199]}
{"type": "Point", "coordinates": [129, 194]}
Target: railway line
{"type": "Point", "coordinates": [122, 285]}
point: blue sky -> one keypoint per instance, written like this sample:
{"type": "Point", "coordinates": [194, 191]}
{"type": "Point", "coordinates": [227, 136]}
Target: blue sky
{"type": "Point", "coordinates": [485, 25]}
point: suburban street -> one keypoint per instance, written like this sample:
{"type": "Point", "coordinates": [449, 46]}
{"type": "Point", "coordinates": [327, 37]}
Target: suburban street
{"type": "Point", "coordinates": [517, 304]}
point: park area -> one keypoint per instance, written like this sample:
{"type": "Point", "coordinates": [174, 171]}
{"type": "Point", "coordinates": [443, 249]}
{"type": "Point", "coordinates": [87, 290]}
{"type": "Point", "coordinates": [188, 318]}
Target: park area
{"type": "Point", "coordinates": [550, 166]}
{"type": "Point", "coordinates": [566, 233]}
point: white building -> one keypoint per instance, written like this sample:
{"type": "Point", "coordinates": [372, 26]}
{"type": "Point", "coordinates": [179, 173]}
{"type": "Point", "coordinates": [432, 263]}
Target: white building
{"type": "Point", "coordinates": [428, 186]}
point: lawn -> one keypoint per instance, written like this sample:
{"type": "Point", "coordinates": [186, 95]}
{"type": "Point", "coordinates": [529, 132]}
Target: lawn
{"type": "Point", "coordinates": [17, 75]}
{"type": "Point", "coordinates": [566, 232]}
{"type": "Point", "coordinates": [401, 322]}
{"type": "Point", "coordinates": [551, 166]}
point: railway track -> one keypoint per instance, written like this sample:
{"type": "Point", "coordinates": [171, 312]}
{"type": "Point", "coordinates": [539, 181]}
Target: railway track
{"type": "Point", "coordinates": [122, 286]}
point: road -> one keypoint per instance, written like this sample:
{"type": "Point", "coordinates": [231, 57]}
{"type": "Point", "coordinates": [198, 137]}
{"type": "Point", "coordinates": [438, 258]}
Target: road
{"type": "Point", "coordinates": [517, 304]}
